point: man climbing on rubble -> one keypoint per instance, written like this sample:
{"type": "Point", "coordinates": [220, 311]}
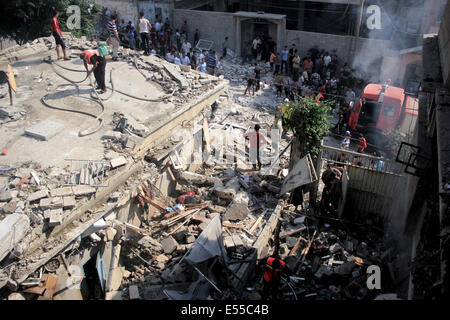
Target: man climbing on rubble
{"type": "Point", "coordinates": [273, 270]}
{"type": "Point", "coordinates": [94, 58]}
{"type": "Point", "coordinates": [257, 139]}
{"type": "Point", "coordinates": [58, 37]}
{"type": "Point", "coordinates": [330, 194]}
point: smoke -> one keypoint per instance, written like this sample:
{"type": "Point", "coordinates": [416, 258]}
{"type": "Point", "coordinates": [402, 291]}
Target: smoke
{"type": "Point", "coordinates": [388, 27]}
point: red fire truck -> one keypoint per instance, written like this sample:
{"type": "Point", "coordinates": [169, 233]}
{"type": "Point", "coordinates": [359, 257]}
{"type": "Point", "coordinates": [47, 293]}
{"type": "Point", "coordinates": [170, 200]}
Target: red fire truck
{"type": "Point", "coordinates": [382, 108]}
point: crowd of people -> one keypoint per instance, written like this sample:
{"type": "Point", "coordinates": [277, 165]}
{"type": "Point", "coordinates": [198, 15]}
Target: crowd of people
{"type": "Point", "coordinates": [161, 39]}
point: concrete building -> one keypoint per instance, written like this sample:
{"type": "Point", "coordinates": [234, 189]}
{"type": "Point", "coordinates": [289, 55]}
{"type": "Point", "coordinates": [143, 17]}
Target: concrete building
{"type": "Point", "coordinates": [426, 207]}
{"type": "Point", "coordinates": [392, 51]}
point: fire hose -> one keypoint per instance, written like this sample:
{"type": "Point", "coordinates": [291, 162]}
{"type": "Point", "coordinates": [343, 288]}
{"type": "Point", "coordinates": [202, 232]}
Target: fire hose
{"type": "Point", "coordinates": [94, 96]}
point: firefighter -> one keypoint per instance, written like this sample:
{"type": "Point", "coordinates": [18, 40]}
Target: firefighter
{"type": "Point", "coordinates": [94, 58]}
{"type": "Point", "coordinates": [273, 270]}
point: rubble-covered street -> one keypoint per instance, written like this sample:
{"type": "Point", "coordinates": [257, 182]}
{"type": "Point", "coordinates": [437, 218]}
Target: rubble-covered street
{"type": "Point", "coordinates": [145, 167]}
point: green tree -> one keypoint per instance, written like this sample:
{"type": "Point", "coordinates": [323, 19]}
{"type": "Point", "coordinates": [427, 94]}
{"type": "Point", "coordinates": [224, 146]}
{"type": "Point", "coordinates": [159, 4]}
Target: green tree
{"type": "Point", "coordinates": [309, 122]}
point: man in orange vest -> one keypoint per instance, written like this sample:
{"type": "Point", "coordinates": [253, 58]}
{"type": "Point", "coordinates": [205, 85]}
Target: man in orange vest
{"type": "Point", "coordinates": [94, 58]}
{"type": "Point", "coordinates": [272, 275]}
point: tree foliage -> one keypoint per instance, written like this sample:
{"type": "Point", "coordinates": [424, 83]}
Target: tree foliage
{"type": "Point", "coordinates": [309, 122]}
{"type": "Point", "coordinates": [26, 20]}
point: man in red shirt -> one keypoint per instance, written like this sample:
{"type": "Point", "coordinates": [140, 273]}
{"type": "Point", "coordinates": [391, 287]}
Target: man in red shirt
{"type": "Point", "coordinates": [58, 37]}
{"type": "Point", "coordinates": [99, 65]}
{"type": "Point", "coordinates": [362, 143]}
{"type": "Point", "coordinates": [257, 139]}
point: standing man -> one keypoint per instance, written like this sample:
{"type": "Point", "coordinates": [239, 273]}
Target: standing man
{"type": "Point", "coordinates": [273, 269]}
{"type": "Point", "coordinates": [362, 143]}
{"type": "Point", "coordinates": [277, 63]}
{"type": "Point", "coordinates": [255, 46]}
{"type": "Point", "coordinates": [196, 37]}
{"type": "Point", "coordinates": [144, 28]}
{"type": "Point", "coordinates": [186, 47]}
{"type": "Point", "coordinates": [98, 62]}
{"type": "Point", "coordinates": [257, 75]}
{"type": "Point", "coordinates": [224, 47]}
{"type": "Point", "coordinates": [284, 59]}
{"type": "Point", "coordinates": [211, 62]}
{"type": "Point", "coordinates": [184, 28]}
{"type": "Point", "coordinates": [292, 53]}
{"type": "Point", "coordinates": [114, 37]}
{"type": "Point", "coordinates": [295, 66]}
{"type": "Point", "coordinates": [58, 37]}
{"type": "Point", "coordinates": [257, 139]}
{"type": "Point", "coordinates": [346, 142]}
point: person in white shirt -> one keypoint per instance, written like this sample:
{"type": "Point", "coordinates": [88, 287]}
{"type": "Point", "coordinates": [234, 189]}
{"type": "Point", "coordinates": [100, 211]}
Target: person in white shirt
{"type": "Point", "coordinates": [186, 47]}
{"type": "Point", "coordinates": [157, 26]}
{"type": "Point", "coordinates": [177, 59]}
{"type": "Point", "coordinates": [219, 67]}
{"type": "Point", "coordinates": [185, 61]}
{"type": "Point", "coordinates": [144, 27]}
{"type": "Point", "coordinates": [201, 56]}
{"type": "Point", "coordinates": [202, 66]}
{"type": "Point", "coordinates": [326, 59]}
{"type": "Point", "coordinates": [170, 57]}
{"type": "Point", "coordinates": [255, 45]}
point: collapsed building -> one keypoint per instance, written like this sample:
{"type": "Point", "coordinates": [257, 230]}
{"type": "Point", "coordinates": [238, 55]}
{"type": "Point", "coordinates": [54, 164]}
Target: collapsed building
{"type": "Point", "coordinates": [147, 193]}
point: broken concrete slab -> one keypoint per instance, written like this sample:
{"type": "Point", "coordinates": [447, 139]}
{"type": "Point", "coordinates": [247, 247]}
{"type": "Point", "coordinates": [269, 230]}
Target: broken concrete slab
{"type": "Point", "coordinates": [335, 247]}
{"type": "Point", "coordinates": [83, 190]}
{"type": "Point", "coordinates": [149, 242]}
{"type": "Point", "coordinates": [134, 292]}
{"type": "Point", "coordinates": [291, 241]}
{"type": "Point", "coordinates": [38, 195]}
{"type": "Point", "coordinates": [114, 135]}
{"type": "Point", "coordinates": [9, 207]}
{"type": "Point", "coordinates": [13, 229]}
{"type": "Point", "coordinates": [113, 295]}
{"type": "Point", "coordinates": [110, 233]}
{"type": "Point", "coordinates": [5, 196]}
{"type": "Point", "coordinates": [61, 192]}
{"type": "Point", "coordinates": [300, 220]}
{"type": "Point", "coordinates": [190, 239]}
{"type": "Point", "coordinates": [169, 245]}
{"type": "Point", "coordinates": [51, 203]}
{"type": "Point", "coordinates": [118, 162]}
{"type": "Point", "coordinates": [45, 130]}
{"type": "Point", "coordinates": [10, 111]}
{"type": "Point", "coordinates": [228, 191]}
{"type": "Point", "coordinates": [116, 277]}
{"type": "Point", "coordinates": [16, 296]}
{"type": "Point", "coordinates": [196, 179]}
{"type": "Point", "coordinates": [162, 258]}
{"type": "Point", "coordinates": [238, 209]}
{"type": "Point", "coordinates": [69, 202]}
{"type": "Point", "coordinates": [55, 218]}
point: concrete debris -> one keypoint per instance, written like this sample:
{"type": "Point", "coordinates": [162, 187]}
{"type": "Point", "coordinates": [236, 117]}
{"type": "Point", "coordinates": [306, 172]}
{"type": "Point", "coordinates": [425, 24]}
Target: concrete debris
{"type": "Point", "coordinates": [45, 130]}
{"type": "Point", "coordinates": [55, 218]}
{"type": "Point", "coordinates": [13, 229]}
{"type": "Point", "coordinates": [238, 209]}
{"type": "Point", "coordinates": [169, 245]}
{"type": "Point", "coordinates": [5, 196]}
{"type": "Point", "coordinates": [38, 195]}
{"type": "Point", "coordinates": [134, 292]}
{"type": "Point", "coordinates": [196, 179]}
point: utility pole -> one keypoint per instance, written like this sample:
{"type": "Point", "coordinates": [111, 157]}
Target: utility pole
{"type": "Point", "coordinates": [361, 13]}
